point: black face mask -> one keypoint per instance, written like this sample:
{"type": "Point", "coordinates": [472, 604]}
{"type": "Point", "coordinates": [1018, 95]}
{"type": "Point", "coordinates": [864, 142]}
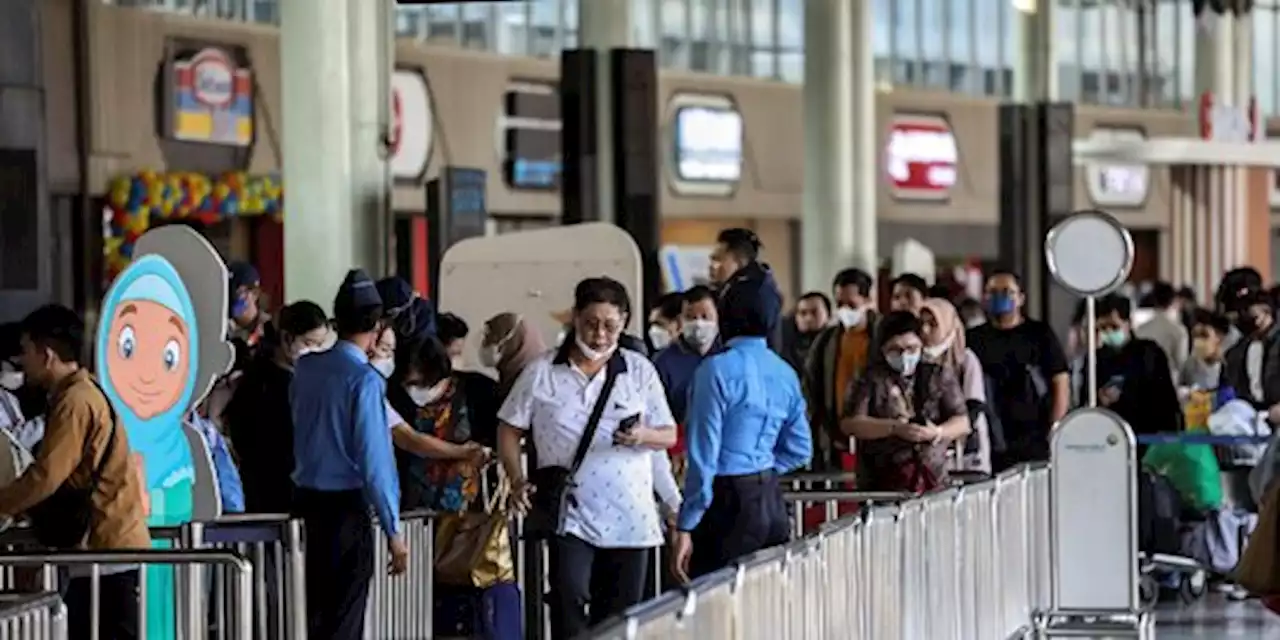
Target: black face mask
{"type": "Point", "coordinates": [1247, 324]}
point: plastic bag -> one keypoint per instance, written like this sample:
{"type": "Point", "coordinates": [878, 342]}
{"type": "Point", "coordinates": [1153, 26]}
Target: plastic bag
{"type": "Point", "coordinates": [1192, 469]}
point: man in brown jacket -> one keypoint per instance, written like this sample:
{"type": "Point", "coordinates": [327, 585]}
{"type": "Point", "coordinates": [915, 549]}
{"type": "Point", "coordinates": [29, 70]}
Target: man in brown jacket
{"type": "Point", "coordinates": [77, 432]}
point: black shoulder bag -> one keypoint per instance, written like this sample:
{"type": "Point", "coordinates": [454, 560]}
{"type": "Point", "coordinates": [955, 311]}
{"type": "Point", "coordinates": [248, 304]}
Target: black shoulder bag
{"type": "Point", "coordinates": [62, 520]}
{"type": "Point", "coordinates": [553, 486]}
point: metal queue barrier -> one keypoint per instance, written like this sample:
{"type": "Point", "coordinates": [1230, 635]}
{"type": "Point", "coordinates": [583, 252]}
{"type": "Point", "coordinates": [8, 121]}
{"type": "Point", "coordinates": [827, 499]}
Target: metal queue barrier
{"type": "Point", "coordinates": [401, 606]}
{"type": "Point", "coordinates": [32, 616]}
{"type": "Point", "coordinates": [964, 563]}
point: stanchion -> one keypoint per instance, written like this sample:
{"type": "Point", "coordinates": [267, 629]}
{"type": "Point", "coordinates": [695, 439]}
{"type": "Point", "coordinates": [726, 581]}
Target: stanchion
{"type": "Point", "coordinates": [1093, 488]}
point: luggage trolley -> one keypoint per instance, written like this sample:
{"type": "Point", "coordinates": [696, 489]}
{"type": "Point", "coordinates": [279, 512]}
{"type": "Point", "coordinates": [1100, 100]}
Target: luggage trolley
{"type": "Point", "coordinates": [1094, 560]}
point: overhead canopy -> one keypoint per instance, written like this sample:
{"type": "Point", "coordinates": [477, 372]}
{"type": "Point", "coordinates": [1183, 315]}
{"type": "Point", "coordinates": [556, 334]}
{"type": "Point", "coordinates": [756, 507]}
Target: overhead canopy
{"type": "Point", "coordinates": [1182, 151]}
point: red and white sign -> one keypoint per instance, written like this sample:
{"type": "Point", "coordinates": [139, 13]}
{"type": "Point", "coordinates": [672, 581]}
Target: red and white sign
{"type": "Point", "coordinates": [213, 78]}
{"type": "Point", "coordinates": [1227, 122]}
{"type": "Point", "coordinates": [921, 157]}
{"type": "Point", "coordinates": [412, 125]}
{"type": "Point", "coordinates": [1118, 185]}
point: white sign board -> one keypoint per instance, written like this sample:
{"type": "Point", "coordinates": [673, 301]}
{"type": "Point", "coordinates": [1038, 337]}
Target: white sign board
{"type": "Point", "coordinates": [1118, 185]}
{"type": "Point", "coordinates": [685, 266]}
{"type": "Point", "coordinates": [707, 133]}
{"type": "Point", "coordinates": [412, 125]}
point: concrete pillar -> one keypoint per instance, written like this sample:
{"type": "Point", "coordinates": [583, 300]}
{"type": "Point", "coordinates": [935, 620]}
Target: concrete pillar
{"type": "Point", "coordinates": [1035, 67]}
{"type": "Point", "coordinates": [1224, 58]}
{"type": "Point", "coordinates": [334, 173]}
{"type": "Point", "coordinates": [841, 156]}
{"type": "Point", "coordinates": [605, 25]}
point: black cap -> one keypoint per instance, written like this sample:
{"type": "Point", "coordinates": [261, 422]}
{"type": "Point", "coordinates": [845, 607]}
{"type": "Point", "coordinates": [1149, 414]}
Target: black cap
{"type": "Point", "coordinates": [356, 292]}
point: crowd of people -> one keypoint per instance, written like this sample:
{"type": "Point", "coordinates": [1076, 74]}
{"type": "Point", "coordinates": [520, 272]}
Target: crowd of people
{"type": "Point", "coordinates": [611, 444]}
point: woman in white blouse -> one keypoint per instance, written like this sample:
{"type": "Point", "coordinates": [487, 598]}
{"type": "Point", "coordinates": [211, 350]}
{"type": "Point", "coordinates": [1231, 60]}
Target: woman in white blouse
{"type": "Point", "coordinates": [601, 547]}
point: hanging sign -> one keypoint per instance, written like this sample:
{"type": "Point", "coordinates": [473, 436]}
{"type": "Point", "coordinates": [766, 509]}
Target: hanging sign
{"type": "Point", "coordinates": [412, 124]}
{"type": "Point", "coordinates": [210, 96]}
{"type": "Point", "coordinates": [921, 157]}
{"type": "Point", "coordinates": [1118, 185]}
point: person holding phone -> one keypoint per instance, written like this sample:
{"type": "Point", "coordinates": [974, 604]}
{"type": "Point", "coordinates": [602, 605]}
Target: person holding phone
{"type": "Point", "coordinates": [1133, 373]}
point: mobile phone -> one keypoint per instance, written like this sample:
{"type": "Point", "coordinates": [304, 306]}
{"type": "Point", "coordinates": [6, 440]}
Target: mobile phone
{"type": "Point", "coordinates": [1115, 382]}
{"type": "Point", "coordinates": [628, 423]}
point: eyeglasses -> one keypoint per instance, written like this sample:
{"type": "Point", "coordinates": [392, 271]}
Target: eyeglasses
{"type": "Point", "coordinates": [608, 326]}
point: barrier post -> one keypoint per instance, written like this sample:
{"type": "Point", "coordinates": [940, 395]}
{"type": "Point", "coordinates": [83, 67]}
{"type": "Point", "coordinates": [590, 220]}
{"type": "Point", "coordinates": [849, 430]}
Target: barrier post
{"type": "Point", "coordinates": [295, 591]}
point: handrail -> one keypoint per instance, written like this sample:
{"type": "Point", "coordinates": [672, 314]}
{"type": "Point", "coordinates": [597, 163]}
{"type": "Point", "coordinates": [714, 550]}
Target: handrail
{"type": "Point", "coordinates": [848, 496]}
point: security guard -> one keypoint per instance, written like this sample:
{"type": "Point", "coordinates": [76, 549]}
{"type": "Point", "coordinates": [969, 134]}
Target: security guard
{"type": "Point", "coordinates": [745, 426]}
{"type": "Point", "coordinates": [344, 465]}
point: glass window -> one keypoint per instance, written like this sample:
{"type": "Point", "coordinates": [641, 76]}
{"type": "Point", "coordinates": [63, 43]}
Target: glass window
{"type": "Point", "coordinates": [512, 29]}
{"type": "Point", "coordinates": [935, 32]}
{"type": "Point", "coordinates": [675, 34]}
{"type": "Point", "coordinates": [764, 63]}
{"type": "Point", "coordinates": [905, 16]}
{"type": "Point", "coordinates": [442, 24]}
{"type": "Point", "coordinates": [1175, 53]}
{"type": "Point", "coordinates": [411, 22]}
{"type": "Point", "coordinates": [763, 22]}
{"type": "Point", "coordinates": [644, 29]}
{"type": "Point", "coordinates": [791, 24]}
{"type": "Point", "coordinates": [881, 38]}
{"type": "Point", "coordinates": [791, 66]}
{"type": "Point", "coordinates": [990, 51]}
{"type": "Point", "coordinates": [475, 26]}
{"type": "Point", "coordinates": [1266, 48]}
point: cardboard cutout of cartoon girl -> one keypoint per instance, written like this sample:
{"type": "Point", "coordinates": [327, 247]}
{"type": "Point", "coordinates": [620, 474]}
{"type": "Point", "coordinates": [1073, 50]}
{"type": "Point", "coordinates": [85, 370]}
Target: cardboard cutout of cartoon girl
{"type": "Point", "coordinates": [161, 343]}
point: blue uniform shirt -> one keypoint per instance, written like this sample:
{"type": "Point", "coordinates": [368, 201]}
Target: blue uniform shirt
{"type": "Point", "coordinates": [675, 366]}
{"type": "Point", "coordinates": [746, 415]}
{"type": "Point", "coordinates": [341, 440]}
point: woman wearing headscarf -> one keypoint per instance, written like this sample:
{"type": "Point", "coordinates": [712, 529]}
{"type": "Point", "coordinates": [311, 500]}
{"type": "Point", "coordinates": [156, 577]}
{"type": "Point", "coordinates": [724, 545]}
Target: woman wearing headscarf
{"type": "Point", "coordinates": [508, 345]}
{"type": "Point", "coordinates": [944, 344]}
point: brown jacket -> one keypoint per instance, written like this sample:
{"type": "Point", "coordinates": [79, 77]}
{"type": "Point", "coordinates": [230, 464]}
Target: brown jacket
{"type": "Point", "coordinates": [79, 413]}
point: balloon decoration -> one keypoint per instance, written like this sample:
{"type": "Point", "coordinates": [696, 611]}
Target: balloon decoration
{"type": "Point", "coordinates": [141, 201]}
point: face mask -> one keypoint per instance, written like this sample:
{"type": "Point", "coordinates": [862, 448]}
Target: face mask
{"type": "Point", "coordinates": [490, 355]}
{"type": "Point", "coordinates": [660, 338]}
{"type": "Point", "coordinates": [938, 350]}
{"type": "Point", "coordinates": [592, 354]}
{"type": "Point", "coordinates": [700, 333]}
{"type": "Point", "coordinates": [1115, 338]}
{"type": "Point", "coordinates": [11, 380]}
{"type": "Point", "coordinates": [904, 363]}
{"type": "Point", "coordinates": [848, 317]}
{"type": "Point", "coordinates": [1247, 323]}
{"type": "Point", "coordinates": [423, 396]}
{"type": "Point", "coordinates": [385, 366]}
{"type": "Point", "coordinates": [976, 321]}
{"type": "Point", "coordinates": [1002, 304]}
{"type": "Point", "coordinates": [239, 306]}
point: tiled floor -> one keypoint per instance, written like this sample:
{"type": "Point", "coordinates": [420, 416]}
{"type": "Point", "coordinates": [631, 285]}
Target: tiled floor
{"type": "Point", "coordinates": [1217, 618]}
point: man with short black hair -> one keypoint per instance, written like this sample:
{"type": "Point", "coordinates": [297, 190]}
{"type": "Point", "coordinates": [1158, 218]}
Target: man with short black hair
{"type": "Point", "coordinates": [1165, 328]}
{"type": "Point", "coordinates": [344, 465]}
{"type": "Point", "coordinates": [82, 437]}
{"type": "Point", "coordinates": [1133, 375]}
{"type": "Point", "coordinates": [908, 293]}
{"type": "Point", "coordinates": [839, 356]}
{"type": "Point", "coordinates": [811, 316]}
{"type": "Point", "coordinates": [699, 338]}
{"type": "Point", "coordinates": [736, 260]}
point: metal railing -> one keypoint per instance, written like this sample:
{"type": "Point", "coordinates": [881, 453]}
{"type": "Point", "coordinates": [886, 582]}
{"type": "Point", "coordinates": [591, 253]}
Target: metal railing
{"type": "Point", "coordinates": [401, 606]}
{"type": "Point", "coordinates": [32, 616]}
{"type": "Point", "coordinates": [964, 563]}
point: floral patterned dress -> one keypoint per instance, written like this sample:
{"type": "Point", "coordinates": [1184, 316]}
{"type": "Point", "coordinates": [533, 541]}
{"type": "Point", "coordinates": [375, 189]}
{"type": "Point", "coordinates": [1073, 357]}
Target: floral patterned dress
{"type": "Point", "coordinates": [439, 485]}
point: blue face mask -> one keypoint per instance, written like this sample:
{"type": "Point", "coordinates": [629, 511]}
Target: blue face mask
{"type": "Point", "coordinates": [239, 306]}
{"type": "Point", "coordinates": [1001, 304]}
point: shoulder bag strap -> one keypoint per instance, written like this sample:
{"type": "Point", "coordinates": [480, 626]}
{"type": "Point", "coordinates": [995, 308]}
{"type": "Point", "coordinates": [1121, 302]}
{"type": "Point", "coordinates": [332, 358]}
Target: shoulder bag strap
{"type": "Point", "coordinates": [593, 422]}
{"type": "Point", "coordinates": [96, 476]}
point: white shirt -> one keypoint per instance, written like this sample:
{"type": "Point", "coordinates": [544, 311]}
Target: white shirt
{"type": "Point", "coordinates": [1253, 368]}
{"type": "Point", "coordinates": [614, 505]}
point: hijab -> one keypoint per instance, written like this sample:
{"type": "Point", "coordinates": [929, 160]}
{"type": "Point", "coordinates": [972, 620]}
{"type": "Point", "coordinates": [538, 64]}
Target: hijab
{"type": "Point", "coordinates": [951, 328]}
{"type": "Point", "coordinates": [521, 343]}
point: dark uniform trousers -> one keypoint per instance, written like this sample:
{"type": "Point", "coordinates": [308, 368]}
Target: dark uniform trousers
{"type": "Point", "coordinates": [747, 514]}
{"type": "Point", "coordinates": [590, 584]}
{"type": "Point", "coordinates": [339, 561]}
{"type": "Point", "coordinates": [117, 606]}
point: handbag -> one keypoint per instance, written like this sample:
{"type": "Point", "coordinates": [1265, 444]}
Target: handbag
{"type": "Point", "coordinates": [473, 549]}
{"type": "Point", "coordinates": [1259, 570]}
{"type": "Point", "coordinates": [62, 520]}
{"type": "Point", "coordinates": [554, 485]}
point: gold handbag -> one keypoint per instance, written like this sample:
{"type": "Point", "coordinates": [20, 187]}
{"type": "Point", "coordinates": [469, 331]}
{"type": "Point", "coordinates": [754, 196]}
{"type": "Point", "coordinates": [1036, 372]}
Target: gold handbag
{"type": "Point", "coordinates": [1259, 568]}
{"type": "Point", "coordinates": [473, 549]}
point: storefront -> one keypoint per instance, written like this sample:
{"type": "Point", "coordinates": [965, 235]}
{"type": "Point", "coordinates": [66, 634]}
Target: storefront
{"type": "Point", "coordinates": [734, 149]}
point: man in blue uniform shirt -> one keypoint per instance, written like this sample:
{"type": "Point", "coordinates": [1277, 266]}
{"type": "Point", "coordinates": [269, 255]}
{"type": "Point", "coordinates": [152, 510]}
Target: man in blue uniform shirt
{"type": "Point", "coordinates": [344, 465]}
{"type": "Point", "coordinates": [699, 338]}
{"type": "Point", "coordinates": [745, 425]}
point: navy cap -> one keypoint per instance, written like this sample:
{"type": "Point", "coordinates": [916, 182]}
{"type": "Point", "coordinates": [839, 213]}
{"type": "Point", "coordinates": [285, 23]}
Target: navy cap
{"type": "Point", "coordinates": [242, 274]}
{"type": "Point", "coordinates": [750, 305]}
{"type": "Point", "coordinates": [396, 293]}
{"type": "Point", "coordinates": [356, 292]}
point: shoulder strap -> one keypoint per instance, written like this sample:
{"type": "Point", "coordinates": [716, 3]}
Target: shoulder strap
{"type": "Point", "coordinates": [593, 422]}
{"type": "Point", "coordinates": [96, 475]}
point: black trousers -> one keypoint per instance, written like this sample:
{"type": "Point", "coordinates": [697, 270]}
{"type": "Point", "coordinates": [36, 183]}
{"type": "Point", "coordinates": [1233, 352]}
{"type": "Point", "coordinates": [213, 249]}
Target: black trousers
{"type": "Point", "coordinates": [589, 584]}
{"type": "Point", "coordinates": [117, 606]}
{"type": "Point", "coordinates": [747, 514]}
{"type": "Point", "coordinates": [339, 561]}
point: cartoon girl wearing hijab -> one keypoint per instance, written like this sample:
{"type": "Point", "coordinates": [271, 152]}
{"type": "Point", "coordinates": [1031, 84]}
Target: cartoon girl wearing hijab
{"type": "Point", "coordinates": [156, 325]}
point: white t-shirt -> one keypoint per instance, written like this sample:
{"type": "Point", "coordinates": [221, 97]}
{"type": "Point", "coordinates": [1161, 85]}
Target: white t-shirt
{"type": "Point", "coordinates": [1253, 368]}
{"type": "Point", "coordinates": [615, 505]}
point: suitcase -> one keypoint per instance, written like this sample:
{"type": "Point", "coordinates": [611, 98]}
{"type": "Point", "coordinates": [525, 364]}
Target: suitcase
{"type": "Point", "coordinates": [499, 613]}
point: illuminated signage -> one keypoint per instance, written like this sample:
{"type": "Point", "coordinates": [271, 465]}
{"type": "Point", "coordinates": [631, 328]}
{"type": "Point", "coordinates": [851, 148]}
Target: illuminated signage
{"type": "Point", "coordinates": [1118, 185]}
{"type": "Point", "coordinates": [412, 127]}
{"type": "Point", "coordinates": [921, 157]}
{"type": "Point", "coordinates": [708, 144]}
{"type": "Point", "coordinates": [530, 129]}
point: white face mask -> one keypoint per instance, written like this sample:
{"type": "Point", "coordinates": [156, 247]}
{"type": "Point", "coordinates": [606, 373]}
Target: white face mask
{"type": "Point", "coordinates": [848, 317]}
{"type": "Point", "coordinates": [490, 355]}
{"type": "Point", "coordinates": [385, 366]}
{"type": "Point", "coordinates": [700, 333]}
{"type": "Point", "coordinates": [423, 396]}
{"type": "Point", "coordinates": [591, 354]}
{"type": "Point", "coordinates": [938, 350]}
{"type": "Point", "coordinates": [659, 337]}
{"type": "Point", "coordinates": [976, 321]}
{"type": "Point", "coordinates": [11, 380]}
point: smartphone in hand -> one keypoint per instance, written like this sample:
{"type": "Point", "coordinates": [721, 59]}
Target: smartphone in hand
{"type": "Point", "coordinates": [628, 423]}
